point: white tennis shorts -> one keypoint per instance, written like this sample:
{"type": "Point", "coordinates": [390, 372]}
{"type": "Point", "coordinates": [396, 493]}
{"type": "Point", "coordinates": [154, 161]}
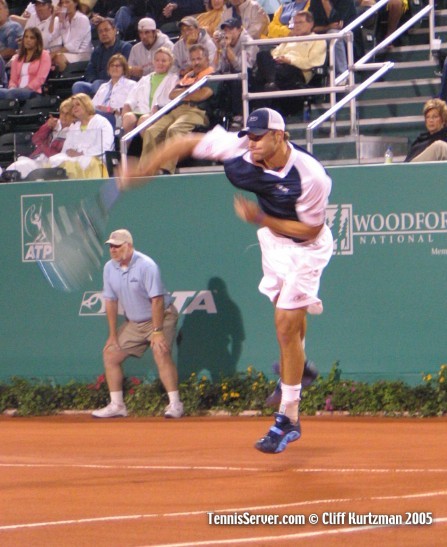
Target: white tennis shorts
{"type": "Point", "coordinates": [292, 271]}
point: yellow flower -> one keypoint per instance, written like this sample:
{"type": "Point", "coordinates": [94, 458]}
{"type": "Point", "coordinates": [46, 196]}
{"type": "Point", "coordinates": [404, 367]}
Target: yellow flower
{"type": "Point", "coordinates": [250, 369]}
{"type": "Point", "coordinates": [441, 380]}
{"type": "Point", "coordinates": [204, 378]}
{"type": "Point", "coordinates": [225, 396]}
{"type": "Point", "coordinates": [234, 395]}
{"type": "Point", "coordinates": [428, 377]}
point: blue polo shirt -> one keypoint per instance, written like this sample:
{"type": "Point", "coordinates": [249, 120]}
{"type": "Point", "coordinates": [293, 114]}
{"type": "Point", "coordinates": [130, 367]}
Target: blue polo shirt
{"type": "Point", "coordinates": [135, 286]}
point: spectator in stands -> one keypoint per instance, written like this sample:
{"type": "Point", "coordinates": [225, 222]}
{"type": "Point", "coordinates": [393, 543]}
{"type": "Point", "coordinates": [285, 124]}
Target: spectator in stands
{"type": "Point", "coordinates": [75, 33]}
{"type": "Point", "coordinates": [212, 17]}
{"type": "Point", "coordinates": [229, 61]}
{"type": "Point", "coordinates": [443, 90]}
{"type": "Point", "coordinates": [48, 141]}
{"type": "Point", "coordinates": [331, 16]}
{"type": "Point", "coordinates": [165, 13]}
{"type": "Point", "coordinates": [280, 25]}
{"type": "Point", "coordinates": [86, 6]}
{"type": "Point", "coordinates": [127, 16]}
{"type": "Point", "coordinates": [254, 19]}
{"type": "Point", "coordinates": [96, 72]}
{"type": "Point", "coordinates": [3, 76]}
{"type": "Point", "coordinates": [188, 114]}
{"type": "Point", "coordinates": [87, 141]}
{"type": "Point", "coordinates": [432, 144]}
{"type": "Point", "coordinates": [29, 11]}
{"type": "Point", "coordinates": [40, 18]}
{"type": "Point", "coordinates": [10, 33]}
{"type": "Point", "coordinates": [141, 58]}
{"type": "Point", "coordinates": [105, 9]}
{"type": "Point", "coordinates": [173, 12]}
{"type": "Point", "coordinates": [111, 96]}
{"type": "Point", "coordinates": [190, 34]}
{"type": "Point", "coordinates": [395, 9]}
{"type": "Point", "coordinates": [151, 92]}
{"type": "Point", "coordinates": [29, 68]}
{"type": "Point", "coordinates": [290, 64]}
{"type": "Point", "coordinates": [269, 6]}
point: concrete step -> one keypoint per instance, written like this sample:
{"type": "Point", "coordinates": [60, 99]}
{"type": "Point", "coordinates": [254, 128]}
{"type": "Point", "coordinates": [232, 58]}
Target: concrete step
{"type": "Point", "coordinates": [420, 87]}
{"type": "Point", "coordinates": [408, 70]}
{"type": "Point", "coordinates": [407, 128]}
{"type": "Point", "coordinates": [361, 147]}
{"type": "Point", "coordinates": [379, 108]}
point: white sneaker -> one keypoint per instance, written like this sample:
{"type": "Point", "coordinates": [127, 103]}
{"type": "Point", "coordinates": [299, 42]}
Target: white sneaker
{"type": "Point", "coordinates": [174, 410]}
{"type": "Point", "coordinates": [112, 410]}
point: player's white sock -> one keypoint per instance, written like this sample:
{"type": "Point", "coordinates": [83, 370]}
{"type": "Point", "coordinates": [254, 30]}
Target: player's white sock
{"type": "Point", "coordinates": [117, 397]}
{"type": "Point", "coordinates": [290, 401]}
{"type": "Point", "coordinates": [174, 397]}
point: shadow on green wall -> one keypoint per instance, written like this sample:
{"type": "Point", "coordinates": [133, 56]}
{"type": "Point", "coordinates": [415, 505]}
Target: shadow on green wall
{"type": "Point", "coordinates": [211, 344]}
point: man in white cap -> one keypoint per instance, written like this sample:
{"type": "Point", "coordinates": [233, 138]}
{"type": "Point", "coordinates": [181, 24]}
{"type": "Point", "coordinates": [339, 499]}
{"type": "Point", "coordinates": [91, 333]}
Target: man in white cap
{"type": "Point", "coordinates": [141, 58]}
{"type": "Point", "coordinates": [292, 190]}
{"type": "Point", "coordinates": [133, 281]}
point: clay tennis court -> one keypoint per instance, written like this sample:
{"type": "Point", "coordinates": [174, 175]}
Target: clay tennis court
{"type": "Point", "coordinates": [71, 481]}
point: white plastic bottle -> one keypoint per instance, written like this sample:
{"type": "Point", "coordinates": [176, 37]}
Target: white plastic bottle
{"type": "Point", "coordinates": [389, 155]}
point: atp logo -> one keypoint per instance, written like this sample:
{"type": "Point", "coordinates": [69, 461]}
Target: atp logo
{"type": "Point", "coordinates": [37, 228]}
{"type": "Point", "coordinates": [339, 220]}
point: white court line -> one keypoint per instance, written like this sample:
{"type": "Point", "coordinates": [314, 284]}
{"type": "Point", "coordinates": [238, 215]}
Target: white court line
{"type": "Point", "coordinates": [224, 468]}
{"type": "Point", "coordinates": [264, 508]}
{"type": "Point", "coordinates": [300, 535]}
{"type": "Point", "coordinates": [145, 467]}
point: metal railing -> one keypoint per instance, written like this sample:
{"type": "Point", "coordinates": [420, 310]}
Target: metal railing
{"type": "Point", "coordinates": [336, 84]}
{"type": "Point", "coordinates": [167, 108]}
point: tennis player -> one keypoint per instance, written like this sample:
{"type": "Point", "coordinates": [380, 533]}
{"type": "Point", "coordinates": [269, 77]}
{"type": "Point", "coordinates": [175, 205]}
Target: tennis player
{"type": "Point", "coordinates": [292, 189]}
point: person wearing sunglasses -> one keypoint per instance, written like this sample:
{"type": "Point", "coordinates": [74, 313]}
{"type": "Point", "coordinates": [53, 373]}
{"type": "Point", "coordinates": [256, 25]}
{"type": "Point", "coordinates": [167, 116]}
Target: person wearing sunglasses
{"type": "Point", "coordinates": [292, 190]}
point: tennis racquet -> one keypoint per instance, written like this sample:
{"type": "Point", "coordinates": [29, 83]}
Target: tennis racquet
{"type": "Point", "coordinates": [78, 233]}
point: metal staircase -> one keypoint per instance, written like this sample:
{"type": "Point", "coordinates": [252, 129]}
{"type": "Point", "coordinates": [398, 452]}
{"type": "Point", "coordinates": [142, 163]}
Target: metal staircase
{"type": "Point", "coordinates": [389, 112]}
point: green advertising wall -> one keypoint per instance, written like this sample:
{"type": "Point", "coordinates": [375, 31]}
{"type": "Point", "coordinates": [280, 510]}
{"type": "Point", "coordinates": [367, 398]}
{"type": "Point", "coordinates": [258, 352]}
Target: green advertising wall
{"type": "Point", "coordinates": [384, 292]}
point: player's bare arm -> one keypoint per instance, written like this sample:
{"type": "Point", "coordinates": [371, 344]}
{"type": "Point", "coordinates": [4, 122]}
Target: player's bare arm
{"type": "Point", "coordinates": [249, 211]}
{"type": "Point", "coordinates": [177, 147]}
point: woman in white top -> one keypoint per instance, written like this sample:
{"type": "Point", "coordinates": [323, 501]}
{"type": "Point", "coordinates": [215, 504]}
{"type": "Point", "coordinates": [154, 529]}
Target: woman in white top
{"type": "Point", "coordinates": [87, 141]}
{"type": "Point", "coordinates": [151, 92]}
{"type": "Point", "coordinates": [111, 96]}
{"type": "Point", "coordinates": [75, 33]}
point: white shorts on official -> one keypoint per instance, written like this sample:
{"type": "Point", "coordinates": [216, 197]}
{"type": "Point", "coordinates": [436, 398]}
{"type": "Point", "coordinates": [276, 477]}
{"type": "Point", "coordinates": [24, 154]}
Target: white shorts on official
{"type": "Point", "coordinates": [292, 271]}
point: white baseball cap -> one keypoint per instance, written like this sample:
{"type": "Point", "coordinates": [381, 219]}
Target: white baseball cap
{"type": "Point", "coordinates": [262, 120]}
